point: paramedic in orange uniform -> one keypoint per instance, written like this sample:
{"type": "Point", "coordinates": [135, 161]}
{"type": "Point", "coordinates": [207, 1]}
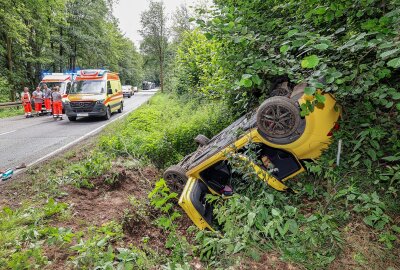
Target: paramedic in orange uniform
{"type": "Point", "coordinates": [57, 104]}
{"type": "Point", "coordinates": [47, 98]}
{"type": "Point", "coordinates": [26, 102]}
{"type": "Point", "coordinates": [37, 96]}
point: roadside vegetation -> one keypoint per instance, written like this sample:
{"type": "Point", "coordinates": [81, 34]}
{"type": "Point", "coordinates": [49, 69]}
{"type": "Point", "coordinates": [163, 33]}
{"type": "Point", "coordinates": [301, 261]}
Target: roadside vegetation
{"type": "Point", "coordinates": [9, 112]}
{"type": "Point", "coordinates": [104, 206]}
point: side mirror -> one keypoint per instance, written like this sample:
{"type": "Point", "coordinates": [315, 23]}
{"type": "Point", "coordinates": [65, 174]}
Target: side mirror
{"type": "Point", "coordinates": [109, 91]}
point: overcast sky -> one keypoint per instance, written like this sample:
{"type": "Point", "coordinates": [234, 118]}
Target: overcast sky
{"type": "Point", "coordinates": [128, 13]}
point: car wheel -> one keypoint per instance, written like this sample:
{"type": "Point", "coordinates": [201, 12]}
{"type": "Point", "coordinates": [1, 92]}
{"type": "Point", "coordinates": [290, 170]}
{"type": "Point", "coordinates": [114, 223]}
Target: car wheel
{"type": "Point", "coordinates": [129, 95]}
{"type": "Point", "coordinates": [201, 140]}
{"type": "Point", "coordinates": [121, 108]}
{"type": "Point", "coordinates": [277, 118]}
{"type": "Point", "coordinates": [175, 177]}
{"type": "Point", "coordinates": [72, 118]}
{"type": "Point", "coordinates": [108, 114]}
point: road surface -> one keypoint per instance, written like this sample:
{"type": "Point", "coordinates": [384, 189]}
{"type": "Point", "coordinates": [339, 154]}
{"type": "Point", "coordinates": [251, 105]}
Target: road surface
{"type": "Point", "coordinates": [32, 140]}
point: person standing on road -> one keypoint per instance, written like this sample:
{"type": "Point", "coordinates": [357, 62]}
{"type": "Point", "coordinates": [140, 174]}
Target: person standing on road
{"type": "Point", "coordinates": [57, 103]}
{"type": "Point", "coordinates": [47, 98]}
{"type": "Point", "coordinates": [26, 102]}
{"type": "Point", "coordinates": [38, 99]}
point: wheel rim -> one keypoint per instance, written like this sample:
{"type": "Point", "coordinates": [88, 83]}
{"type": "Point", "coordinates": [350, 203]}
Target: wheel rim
{"type": "Point", "coordinates": [278, 121]}
{"type": "Point", "coordinates": [108, 113]}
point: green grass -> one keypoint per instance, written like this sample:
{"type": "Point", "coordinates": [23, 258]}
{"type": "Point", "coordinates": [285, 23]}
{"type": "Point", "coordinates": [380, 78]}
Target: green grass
{"type": "Point", "coordinates": [9, 112]}
{"type": "Point", "coordinates": [163, 130]}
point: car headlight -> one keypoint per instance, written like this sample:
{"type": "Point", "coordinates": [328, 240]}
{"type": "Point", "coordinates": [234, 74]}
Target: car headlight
{"type": "Point", "coordinates": [101, 101]}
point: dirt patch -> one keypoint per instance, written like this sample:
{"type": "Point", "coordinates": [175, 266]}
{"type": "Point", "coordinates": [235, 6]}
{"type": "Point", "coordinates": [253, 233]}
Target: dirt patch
{"type": "Point", "coordinates": [106, 201]}
{"type": "Point", "coordinates": [363, 251]}
{"type": "Point", "coordinates": [27, 185]}
{"type": "Point", "coordinates": [268, 261]}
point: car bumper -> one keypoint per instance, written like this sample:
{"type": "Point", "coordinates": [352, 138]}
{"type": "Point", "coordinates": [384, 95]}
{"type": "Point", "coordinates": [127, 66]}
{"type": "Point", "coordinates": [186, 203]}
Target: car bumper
{"type": "Point", "coordinates": [99, 110]}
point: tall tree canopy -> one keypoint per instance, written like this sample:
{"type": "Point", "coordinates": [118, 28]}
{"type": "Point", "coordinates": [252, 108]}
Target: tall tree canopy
{"type": "Point", "coordinates": [155, 36]}
{"type": "Point", "coordinates": [58, 36]}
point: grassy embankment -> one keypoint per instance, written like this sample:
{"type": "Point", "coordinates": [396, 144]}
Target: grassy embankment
{"type": "Point", "coordinates": [99, 206]}
{"type": "Point", "coordinates": [9, 112]}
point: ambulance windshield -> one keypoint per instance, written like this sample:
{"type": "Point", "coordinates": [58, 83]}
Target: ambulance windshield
{"type": "Point", "coordinates": [50, 85]}
{"type": "Point", "coordinates": [88, 87]}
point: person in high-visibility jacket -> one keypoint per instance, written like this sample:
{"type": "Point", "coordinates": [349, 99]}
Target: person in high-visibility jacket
{"type": "Point", "coordinates": [57, 103]}
{"type": "Point", "coordinates": [26, 102]}
{"type": "Point", "coordinates": [47, 98]}
{"type": "Point", "coordinates": [37, 96]}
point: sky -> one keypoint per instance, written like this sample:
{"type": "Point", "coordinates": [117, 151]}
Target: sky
{"type": "Point", "coordinates": [128, 13]}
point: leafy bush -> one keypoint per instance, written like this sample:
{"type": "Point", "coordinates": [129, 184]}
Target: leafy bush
{"type": "Point", "coordinates": [163, 131]}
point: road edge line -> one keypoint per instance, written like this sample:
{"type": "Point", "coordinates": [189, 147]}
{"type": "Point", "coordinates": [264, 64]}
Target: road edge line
{"type": "Point", "coordinates": [91, 133]}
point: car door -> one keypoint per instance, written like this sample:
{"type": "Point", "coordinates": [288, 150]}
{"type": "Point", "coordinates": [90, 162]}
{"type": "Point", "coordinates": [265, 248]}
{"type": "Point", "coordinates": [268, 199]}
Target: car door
{"type": "Point", "coordinates": [194, 203]}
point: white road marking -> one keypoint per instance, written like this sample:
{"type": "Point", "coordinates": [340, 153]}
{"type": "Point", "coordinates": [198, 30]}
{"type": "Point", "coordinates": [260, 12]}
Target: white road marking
{"type": "Point", "coordinates": [8, 132]}
{"type": "Point", "coordinates": [77, 140]}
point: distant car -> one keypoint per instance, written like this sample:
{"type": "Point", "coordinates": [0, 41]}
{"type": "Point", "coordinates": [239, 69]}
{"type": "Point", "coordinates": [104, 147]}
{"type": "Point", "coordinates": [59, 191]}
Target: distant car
{"type": "Point", "coordinates": [282, 140]}
{"type": "Point", "coordinates": [127, 91]}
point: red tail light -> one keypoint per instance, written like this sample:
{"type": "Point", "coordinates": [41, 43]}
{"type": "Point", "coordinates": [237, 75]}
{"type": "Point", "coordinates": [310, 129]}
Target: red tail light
{"type": "Point", "coordinates": [65, 95]}
{"type": "Point", "coordinates": [336, 127]}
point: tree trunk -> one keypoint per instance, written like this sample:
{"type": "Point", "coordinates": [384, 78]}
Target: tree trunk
{"type": "Point", "coordinates": [61, 50]}
{"type": "Point", "coordinates": [161, 76]}
{"type": "Point", "coordinates": [9, 65]}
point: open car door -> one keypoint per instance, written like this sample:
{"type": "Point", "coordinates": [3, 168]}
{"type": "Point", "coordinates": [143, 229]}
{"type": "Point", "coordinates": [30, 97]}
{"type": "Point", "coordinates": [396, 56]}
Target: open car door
{"type": "Point", "coordinates": [193, 201]}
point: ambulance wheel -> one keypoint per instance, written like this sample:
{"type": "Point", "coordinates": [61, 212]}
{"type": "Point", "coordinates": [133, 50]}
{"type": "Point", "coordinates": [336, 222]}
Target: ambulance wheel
{"type": "Point", "coordinates": [278, 118]}
{"type": "Point", "coordinates": [108, 114]}
{"type": "Point", "coordinates": [201, 140]}
{"type": "Point", "coordinates": [72, 118]}
{"type": "Point", "coordinates": [129, 95]}
{"type": "Point", "coordinates": [121, 108]}
{"type": "Point", "coordinates": [175, 177]}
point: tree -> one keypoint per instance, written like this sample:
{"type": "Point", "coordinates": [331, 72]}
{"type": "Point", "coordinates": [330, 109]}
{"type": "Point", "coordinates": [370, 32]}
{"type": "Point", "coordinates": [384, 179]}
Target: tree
{"type": "Point", "coordinates": [155, 35]}
{"type": "Point", "coordinates": [181, 22]}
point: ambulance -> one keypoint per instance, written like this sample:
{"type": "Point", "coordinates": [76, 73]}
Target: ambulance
{"type": "Point", "coordinates": [62, 80]}
{"type": "Point", "coordinates": [94, 93]}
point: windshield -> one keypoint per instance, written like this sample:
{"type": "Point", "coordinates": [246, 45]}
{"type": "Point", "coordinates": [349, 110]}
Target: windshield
{"type": "Point", "coordinates": [50, 85]}
{"type": "Point", "coordinates": [88, 87]}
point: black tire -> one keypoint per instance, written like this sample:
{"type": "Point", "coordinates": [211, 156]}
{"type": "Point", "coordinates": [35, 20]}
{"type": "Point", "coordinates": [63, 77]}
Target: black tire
{"type": "Point", "coordinates": [175, 177]}
{"type": "Point", "coordinates": [121, 108]}
{"type": "Point", "coordinates": [278, 118]}
{"type": "Point", "coordinates": [108, 114]}
{"type": "Point", "coordinates": [129, 95]}
{"type": "Point", "coordinates": [201, 140]}
{"type": "Point", "coordinates": [72, 118]}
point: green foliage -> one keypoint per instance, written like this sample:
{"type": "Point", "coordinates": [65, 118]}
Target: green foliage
{"type": "Point", "coordinates": [20, 231]}
{"type": "Point", "coordinates": [198, 71]}
{"type": "Point", "coordinates": [96, 250]}
{"type": "Point", "coordinates": [94, 166]}
{"type": "Point", "coordinates": [61, 35]}
{"type": "Point", "coordinates": [161, 198]}
{"type": "Point", "coordinates": [4, 113]}
{"type": "Point", "coordinates": [163, 131]}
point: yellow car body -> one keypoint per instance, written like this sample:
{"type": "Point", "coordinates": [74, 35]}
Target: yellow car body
{"type": "Point", "coordinates": [315, 137]}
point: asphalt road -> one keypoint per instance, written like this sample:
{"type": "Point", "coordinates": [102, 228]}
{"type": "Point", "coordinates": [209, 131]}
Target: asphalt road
{"type": "Point", "coordinates": [32, 140]}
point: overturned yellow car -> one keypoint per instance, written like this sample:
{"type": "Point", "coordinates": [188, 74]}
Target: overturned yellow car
{"type": "Point", "coordinates": [283, 140]}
